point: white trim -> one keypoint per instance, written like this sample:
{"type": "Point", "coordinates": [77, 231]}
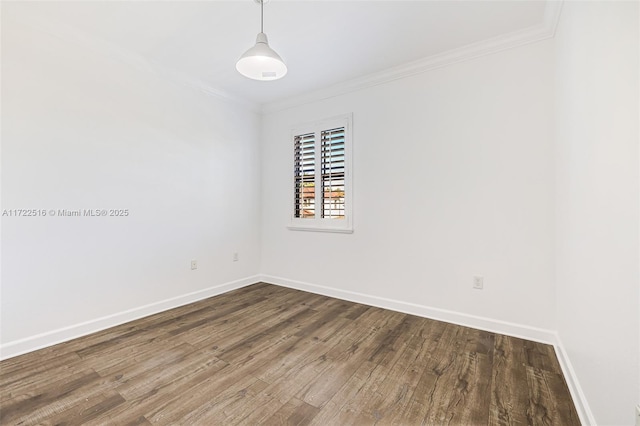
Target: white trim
{"type": "Point", "coordinates": [50, 338]}
{"type": "Point", "coordinates": [482, 323]}
{"type": "Point", "coordinates": [490, 46]}
{"type": "Point", "coordinates": [552, 12]}
{"type": "Point", "coordinates": [579, 399]}
{"type": "Point", "coordinates": [320, 229]}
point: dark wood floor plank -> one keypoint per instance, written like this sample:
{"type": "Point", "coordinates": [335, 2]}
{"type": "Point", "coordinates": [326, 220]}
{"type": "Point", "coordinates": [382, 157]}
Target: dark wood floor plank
{"type": "Point", "coordinates": [132, 361]}
{"type": "Point", "coordinates": [221, 332]}
{"type": "Point", "coordinates": [543, 408]}
{"type": "Point", "coordinates": [205, 396]}
{"type": "Point", "coordinates": [86, 409]}
{"type": "Point", "coordinates": [355, 311]}
{"type": "Point", "coordinates": [565, 414]}
{"type": "Point", "coordinates": [293, 413]}
{"type": "Point", "coordinates": [31, 367]}
{"type": "Point", "coordinates": [36, 407]}
{"type": "Point", "coordinates": [221, 339]}
{"type": "Point", "coordinates": [277, 356]}
{"type": "Point", "coordinates": [226, 308]}
{"type": "Point", "coordinates": [299, 350]}
{"type": "Point", "coordinates": [165, 378]}
{"type": "Point", "coordinates": [143, 398]}
{"type": "Point", "coordinates": [347, 404]}
{"type": "Point", "coordinates": [539, 355]}
{"type": "Point", "coordinates": [157, 324]}
{"type": "Point", "coordinates": [347, 355]}
{"type": "Point", "coordinates": [266, 403]}
{"type": "Point", "coordinates": [40, 379]}
{"type": "Point", "coordinates": [297, 378]}
{"type": "Point", "coordinates": [300, 363]}
{"type": "Point", "coordinates": [218, 408]}
{"type": "Point", "coordinates": [443, 388]}
{"type": "Point", "coordinates": [393, 397]}
{"type": "Point", "coordinates": [476, 388]}
{"type": "Point", "coordinates": [433, 393]}
{"type": "Point", "coordinates": [225, 406]}
{"type": "Point", "coordinates": [248, 359]}
{"type": "Point", "coordinates": [258, 342]}
{"type": "Point", "coordinates": [509, 396]}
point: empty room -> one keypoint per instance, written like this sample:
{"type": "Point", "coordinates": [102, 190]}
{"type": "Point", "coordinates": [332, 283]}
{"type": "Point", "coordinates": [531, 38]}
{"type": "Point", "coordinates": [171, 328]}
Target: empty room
{"type": "Point", "coordinates": [320, 212]}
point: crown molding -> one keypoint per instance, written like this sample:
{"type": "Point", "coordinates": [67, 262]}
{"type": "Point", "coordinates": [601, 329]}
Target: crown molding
{"type": "Point", "coordinates": [129, 58]}
{"type": "Point", "coordinates": [552, 11]}
{"type": "Point", "coordinates": [532, 34]}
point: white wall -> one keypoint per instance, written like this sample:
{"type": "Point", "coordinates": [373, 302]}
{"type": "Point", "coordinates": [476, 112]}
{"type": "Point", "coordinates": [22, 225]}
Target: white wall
{"type": "Point", "coordinates": [83, 130]}
{"type": "Point", "coordinates": [453, 177]}
{"type": "Point", "coordinates": [597, 202]}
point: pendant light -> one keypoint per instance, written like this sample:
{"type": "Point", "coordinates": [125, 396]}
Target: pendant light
{"type": "Point", "coordinates": [261, 62]}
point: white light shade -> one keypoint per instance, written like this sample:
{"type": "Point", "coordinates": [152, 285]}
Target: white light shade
{"type": "Point", "coordinates": [261, 62]}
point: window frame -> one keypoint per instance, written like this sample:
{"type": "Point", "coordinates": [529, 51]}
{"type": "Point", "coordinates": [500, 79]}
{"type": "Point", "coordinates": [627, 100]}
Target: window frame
{"type": "Point", "coordinates": [318, 223]}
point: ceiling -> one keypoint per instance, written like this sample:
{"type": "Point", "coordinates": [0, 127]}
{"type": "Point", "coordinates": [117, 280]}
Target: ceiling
{"type": "Point", "coordinates": [322, 42]}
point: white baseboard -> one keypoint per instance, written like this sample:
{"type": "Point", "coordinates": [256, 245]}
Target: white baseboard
{"type": "Point", "coordinates": [481, 323]}
{"type": "Point", "coordinates": [579, 400]}
{"type": "Point", "coordinates": [50, 338]}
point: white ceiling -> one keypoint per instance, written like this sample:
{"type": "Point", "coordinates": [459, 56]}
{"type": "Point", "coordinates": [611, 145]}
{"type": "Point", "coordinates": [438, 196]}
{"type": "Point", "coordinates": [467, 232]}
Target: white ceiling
{"type": "Point", "coordinates": [322, 42]}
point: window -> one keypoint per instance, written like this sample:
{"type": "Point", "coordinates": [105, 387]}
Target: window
{"type": "Point", "coordinates": [322, 190]}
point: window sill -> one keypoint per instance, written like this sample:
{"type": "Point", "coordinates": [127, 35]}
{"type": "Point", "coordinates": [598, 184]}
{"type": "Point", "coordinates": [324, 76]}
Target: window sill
{"type": "Point", "coordinates": [320, 229]}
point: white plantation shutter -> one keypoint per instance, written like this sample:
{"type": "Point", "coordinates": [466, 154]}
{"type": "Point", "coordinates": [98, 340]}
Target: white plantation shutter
{"type": "Point", "coordinates": [322, 178]}
{"type": "Point", "coordinates": [332, 149]}
{"type": "Point", "coordinates": [304, 170]}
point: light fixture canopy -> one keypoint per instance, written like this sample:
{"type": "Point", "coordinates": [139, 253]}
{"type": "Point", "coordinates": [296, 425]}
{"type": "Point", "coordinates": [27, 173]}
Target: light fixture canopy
{"type": "Point", "coordinates": [261, 62]}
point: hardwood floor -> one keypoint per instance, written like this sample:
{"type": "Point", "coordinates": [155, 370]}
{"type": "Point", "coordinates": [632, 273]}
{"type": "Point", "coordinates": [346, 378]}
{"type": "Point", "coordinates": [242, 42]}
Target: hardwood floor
{"type": "Point", "coordinates": [271, 355]}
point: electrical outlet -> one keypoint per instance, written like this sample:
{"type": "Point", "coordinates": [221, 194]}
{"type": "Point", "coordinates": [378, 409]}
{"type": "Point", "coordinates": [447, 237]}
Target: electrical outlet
{"type": "Point", "coordinates": [194, 264]}
{"type": "Point", "coordinates": [478, 283]}
{"type": "Point", "coordinates": [235, 257]}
